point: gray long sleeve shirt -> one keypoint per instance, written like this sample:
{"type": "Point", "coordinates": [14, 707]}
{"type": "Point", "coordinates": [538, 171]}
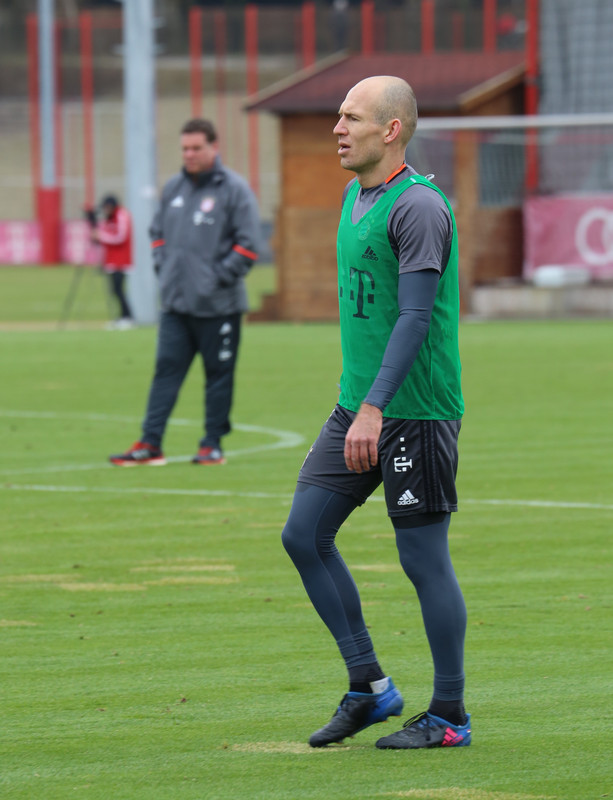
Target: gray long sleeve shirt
{"type": "Point", "coordinates": [205, 238]}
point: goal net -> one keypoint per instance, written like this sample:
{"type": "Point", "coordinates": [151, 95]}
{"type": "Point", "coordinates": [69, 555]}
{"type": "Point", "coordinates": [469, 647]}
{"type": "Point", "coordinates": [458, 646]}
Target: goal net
{"type": "Point", "coordinates": [528, 191]}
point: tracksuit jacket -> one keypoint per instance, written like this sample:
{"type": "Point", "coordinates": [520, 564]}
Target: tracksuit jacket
{"type": "Point", "coordinates": [205, 239]}
{"type": "Point", "coordinates": [115, 236]}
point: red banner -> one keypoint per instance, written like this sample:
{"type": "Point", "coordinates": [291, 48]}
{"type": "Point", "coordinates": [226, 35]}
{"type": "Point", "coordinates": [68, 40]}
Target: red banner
{"type": "Point", "coordinates": [20, 243]}
{"type": "Point", "coordinates": [571, 231]}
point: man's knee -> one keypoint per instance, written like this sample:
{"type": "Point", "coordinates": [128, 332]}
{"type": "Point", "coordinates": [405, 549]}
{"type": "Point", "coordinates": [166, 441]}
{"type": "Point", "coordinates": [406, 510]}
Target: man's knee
{"type": "Point", "coordinates": [422, 546]}
{"type": "Point", "coordinates": [295, 538]}
{"type": "Point", "coordinates": [166, 365]}
{"type": "Point", "coordinates": [172, 360]}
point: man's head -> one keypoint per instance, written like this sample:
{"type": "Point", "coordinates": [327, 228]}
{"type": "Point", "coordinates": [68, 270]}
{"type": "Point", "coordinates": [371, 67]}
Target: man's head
{"type": "Point", "coordinates": [108, 205]}
{"type": "Point", "coordinates": [376, 122]}
{"type": "Point", "coordinates": [199, 146]}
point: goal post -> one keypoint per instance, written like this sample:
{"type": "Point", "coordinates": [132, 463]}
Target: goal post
{"type": "Point", "coordinates": [508, 226]}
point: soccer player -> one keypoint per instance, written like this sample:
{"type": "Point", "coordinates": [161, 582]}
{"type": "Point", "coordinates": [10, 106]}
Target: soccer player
{"type": "Point", "coordinates": [205, 236]}
{"type": "Point", "coordinates": [397, 420]}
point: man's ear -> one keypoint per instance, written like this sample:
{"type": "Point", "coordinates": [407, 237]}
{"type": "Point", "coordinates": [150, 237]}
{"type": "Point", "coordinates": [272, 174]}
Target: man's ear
{"type": "Point", "coordinates": [393, 131]}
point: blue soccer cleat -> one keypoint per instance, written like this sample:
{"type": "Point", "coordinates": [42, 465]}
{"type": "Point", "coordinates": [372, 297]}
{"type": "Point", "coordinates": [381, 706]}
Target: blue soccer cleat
{"type": "Point", "coordinates": [426, 730]}
{"type": "Point", "coordinates": [358, 711]}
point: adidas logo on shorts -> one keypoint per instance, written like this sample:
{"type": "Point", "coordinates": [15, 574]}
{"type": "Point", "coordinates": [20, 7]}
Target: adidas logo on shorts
{"type": "Point", "coordinates": [407, 499]}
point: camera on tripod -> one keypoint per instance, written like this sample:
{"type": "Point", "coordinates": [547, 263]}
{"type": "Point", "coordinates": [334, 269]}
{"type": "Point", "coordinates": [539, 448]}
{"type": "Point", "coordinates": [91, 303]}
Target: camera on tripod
{"type": "Point", "coordinates": [107, 207]}
{"type": "Point", "coordinates": [91, 217]}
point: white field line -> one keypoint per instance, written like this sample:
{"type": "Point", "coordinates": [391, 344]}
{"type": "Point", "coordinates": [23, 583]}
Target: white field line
{"type": "Point", "coordinates": [542, 504]}
{"type": "Point", "coordinates": [539, 504]}
{"type": "Point", "coordinates": [144, 490]}
{"type": "Point", "coordinates": [30, 487]}
{"type": "Point", "coordinates": [284, 439]}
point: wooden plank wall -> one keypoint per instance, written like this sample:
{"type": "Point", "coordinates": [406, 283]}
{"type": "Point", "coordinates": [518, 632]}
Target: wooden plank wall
{"type": "Point", "coordinates": [491, 239]}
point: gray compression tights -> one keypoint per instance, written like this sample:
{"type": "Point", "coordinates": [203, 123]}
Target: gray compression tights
{"type": "Point", "coordinates": [309, 538]}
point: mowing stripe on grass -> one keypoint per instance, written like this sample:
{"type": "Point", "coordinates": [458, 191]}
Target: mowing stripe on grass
{"type": "Point", "coordinates": [144, 490]}
{"type": "Point", "coordinates": [288, 438]}
{"type": "Point", "coordinates": [284, 439]}
{"type": "Point", "coordinates": [31, 487]}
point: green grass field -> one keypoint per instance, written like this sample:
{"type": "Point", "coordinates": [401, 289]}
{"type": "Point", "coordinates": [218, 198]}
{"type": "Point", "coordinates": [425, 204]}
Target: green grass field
{"type": "Point", "coordinates": [156, 642]}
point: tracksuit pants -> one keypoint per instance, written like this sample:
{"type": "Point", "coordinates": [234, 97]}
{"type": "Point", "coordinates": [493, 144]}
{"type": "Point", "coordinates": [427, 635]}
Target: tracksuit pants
{"type": "Point", "coordinates": [180, 337]}
{"type": "Point", "coordinates": [117, 281]}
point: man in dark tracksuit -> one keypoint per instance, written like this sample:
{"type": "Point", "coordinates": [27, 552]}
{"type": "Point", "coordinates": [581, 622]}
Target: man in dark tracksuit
{"type": "Point", "coordinates": [204, 238]}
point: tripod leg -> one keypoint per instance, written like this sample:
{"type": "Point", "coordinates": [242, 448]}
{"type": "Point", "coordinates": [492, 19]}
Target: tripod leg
{"type": "Point", "coordinates": [110, 297]}
{"type": "Point", "coordinates": [71, 295]}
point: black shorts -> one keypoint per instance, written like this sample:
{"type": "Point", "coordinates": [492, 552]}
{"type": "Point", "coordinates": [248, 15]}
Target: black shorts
{"type": "Point", "coordinates": [418, 462]}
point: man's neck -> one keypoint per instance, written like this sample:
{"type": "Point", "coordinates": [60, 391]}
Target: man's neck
{"type": "Point", "coordinates": [198, 177]}
{"type": "Point", "coordinates": [381, 172]}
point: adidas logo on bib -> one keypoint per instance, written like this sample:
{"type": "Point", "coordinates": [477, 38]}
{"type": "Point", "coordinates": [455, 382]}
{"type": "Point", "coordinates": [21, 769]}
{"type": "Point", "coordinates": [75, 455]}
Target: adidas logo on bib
{"type": "Point", "coordinates": [407, 499]}
{"type": "Point", "coordinates": [370, 254]}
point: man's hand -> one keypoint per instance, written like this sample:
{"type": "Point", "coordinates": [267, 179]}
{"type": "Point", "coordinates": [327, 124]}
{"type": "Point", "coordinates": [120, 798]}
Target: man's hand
{"type": "Point", "coordinates": [362, 439]}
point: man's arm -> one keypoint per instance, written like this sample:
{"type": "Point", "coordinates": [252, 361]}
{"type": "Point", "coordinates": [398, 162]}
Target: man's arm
{"type": "Point", "coordinates": [245, 219]}
{"type": "Point", "coordinates": [115, 233]}
{"type": "Point", "coordinates": [156, 230]}
{"type": "Point", "coordinates": [416, 295]}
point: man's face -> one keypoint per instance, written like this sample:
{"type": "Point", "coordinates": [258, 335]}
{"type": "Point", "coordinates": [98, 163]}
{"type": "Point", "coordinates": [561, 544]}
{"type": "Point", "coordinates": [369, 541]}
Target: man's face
{"type": "Point", "coordinates": [197, 152]}
{"type": "Point", "coordinates": [360, 138]}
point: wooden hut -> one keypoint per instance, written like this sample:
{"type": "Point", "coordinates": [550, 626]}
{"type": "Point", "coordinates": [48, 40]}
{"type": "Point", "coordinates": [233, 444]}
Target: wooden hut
{"type": "Point", "coordinates": [312, 180]}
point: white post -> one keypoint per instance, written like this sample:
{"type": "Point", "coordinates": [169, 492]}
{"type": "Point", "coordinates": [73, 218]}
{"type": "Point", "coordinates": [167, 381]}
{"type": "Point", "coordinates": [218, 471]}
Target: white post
{"type": "Point", "coordinates": [46, 81]}
{"type": "Point", "coordinates": [140, 152]}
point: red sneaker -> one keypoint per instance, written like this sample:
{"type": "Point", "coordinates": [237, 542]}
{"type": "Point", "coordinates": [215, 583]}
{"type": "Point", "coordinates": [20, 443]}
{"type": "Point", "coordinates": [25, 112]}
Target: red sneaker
{"type": "Point", "coordinates": [139, 453]}
{"type": "Point", "coordinates": [209, 455]}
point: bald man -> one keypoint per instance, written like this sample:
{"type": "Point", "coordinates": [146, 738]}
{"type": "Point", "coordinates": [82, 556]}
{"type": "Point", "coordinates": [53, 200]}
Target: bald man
{"type": "Point", "coordinates": [397, 419]}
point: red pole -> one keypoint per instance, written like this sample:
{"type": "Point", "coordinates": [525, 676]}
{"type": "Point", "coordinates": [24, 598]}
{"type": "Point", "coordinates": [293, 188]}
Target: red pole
{"type": "Point", "coordinates": [297, 22]}
{"type": "Point", "coordinates": [251, 36]}
{"type": "Point", "coordinates": [368, 27]}
{"type": "Point", "coordinates": [87, 99]}
{"type": "Point", "coordinates": [219, 26]}
{"type": "Point", "coordinates": [34, 104]}
{"type": "Point", "coordinates": [308, 33]}
{"type": "Point", "coordinates": [532, 56]}
{"type": "Point", "coordinates": [380, 33]}
{"type": "Point", "coordinates": [195, 59]}
{"type": "Point", "coordinates": [532, 91]}
{"type": "Point", "coordinates": [57, 111]}
{"type": "Point", "coordinates": [457, 27]}
{"type": "Point", "coordinates": [427, 26]}
{"type": "Point", "coordinates": [46, 198]}
{"type": "Point", "coordinates": [489, 26]}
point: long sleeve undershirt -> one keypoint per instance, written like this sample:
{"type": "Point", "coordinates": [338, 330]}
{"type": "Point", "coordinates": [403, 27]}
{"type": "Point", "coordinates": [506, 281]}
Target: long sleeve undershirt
{"type": "Point", "coordinates": [416, 295]}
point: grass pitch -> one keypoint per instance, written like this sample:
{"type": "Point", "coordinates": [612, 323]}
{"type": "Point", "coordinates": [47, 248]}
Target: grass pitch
{"type": "Point", "coordinates": [156, 641]}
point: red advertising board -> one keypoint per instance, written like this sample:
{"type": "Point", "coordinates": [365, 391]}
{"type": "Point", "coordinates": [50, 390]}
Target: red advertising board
{"type": "Point", "coordinates": [571, 231]}
{"type": "Point", "coordinates": [20, 243]}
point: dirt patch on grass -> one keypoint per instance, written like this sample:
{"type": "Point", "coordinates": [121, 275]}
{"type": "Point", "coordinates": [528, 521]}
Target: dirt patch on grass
{"type": "Point", "coordinates": [42, 578]}
{"type": "Point", "coordinates": [453, 793]}
{"type": "Point", "coordinates": [376, 567]}
{"type": "Point", "coordinates": [177, 580]}
{"type": "Point", "coordinates": [187, 568]}
{"type": "Point", "coordinates": [102, 587]}
{"type": "Point", "coordinates": [284, 748]}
